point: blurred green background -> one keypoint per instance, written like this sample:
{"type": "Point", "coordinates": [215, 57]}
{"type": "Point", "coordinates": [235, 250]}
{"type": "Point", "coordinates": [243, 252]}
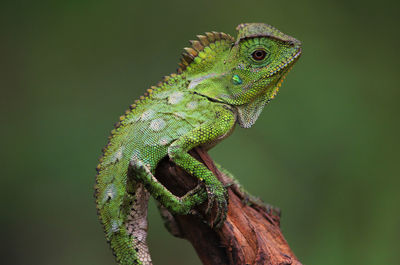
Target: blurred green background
{"type": "Point", "coordinates": [326, 151]}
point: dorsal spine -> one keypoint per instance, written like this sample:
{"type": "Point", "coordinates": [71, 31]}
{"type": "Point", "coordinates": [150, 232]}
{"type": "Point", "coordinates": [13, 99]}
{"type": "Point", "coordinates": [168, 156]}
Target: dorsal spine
{"type": "Point", "coordinates": [188, 56]}
{"type": "Point", "coordinates": [203, 41]}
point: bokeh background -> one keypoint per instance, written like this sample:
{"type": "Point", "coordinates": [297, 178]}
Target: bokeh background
{"type": "Point", "coordinates": [326, 151]}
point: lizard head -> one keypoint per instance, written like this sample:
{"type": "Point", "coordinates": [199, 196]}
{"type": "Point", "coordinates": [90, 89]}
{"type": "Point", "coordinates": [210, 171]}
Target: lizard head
{"type": "Point", "coordinates": [245, 73]}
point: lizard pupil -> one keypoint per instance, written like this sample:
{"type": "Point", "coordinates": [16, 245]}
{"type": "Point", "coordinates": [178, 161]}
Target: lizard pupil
{"type": "Point", "coordinates": [259, 55]}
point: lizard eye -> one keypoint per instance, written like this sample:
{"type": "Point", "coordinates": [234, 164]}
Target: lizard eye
{"type": "Point", "coordinates": [259, 55]}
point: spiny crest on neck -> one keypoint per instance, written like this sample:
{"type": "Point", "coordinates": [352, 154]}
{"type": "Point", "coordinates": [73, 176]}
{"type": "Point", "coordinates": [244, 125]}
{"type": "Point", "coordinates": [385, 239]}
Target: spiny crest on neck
{"type": "Point", "coordinates": [198, 46]}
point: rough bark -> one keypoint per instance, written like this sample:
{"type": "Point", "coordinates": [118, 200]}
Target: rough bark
{"type": "Point", "coordinates": [250, 234]}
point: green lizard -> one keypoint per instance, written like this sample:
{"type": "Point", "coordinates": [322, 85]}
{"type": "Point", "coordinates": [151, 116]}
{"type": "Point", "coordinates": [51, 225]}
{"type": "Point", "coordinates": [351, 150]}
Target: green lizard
{"type": "Point", "coordinates": [220, 82]}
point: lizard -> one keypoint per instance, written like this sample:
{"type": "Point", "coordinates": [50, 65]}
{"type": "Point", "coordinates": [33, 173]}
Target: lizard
{"type": "Point", "coordinates": [221, 81]}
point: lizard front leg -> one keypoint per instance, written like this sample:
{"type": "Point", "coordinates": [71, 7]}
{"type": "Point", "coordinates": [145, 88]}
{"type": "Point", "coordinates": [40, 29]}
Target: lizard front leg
{"type": "Point", "coordinates": [205, 134]}
{"type": "Point", "coordinates": [178, 205]}
{"type": "Point", "coordinates": [173, 227]}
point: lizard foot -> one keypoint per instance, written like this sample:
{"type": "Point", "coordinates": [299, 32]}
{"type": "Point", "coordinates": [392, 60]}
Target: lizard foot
{"type": "Point", "coordinates": [217, 195]}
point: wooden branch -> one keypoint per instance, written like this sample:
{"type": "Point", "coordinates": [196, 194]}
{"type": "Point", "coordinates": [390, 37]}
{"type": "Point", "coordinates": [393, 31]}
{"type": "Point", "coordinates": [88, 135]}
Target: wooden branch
{"type": "Point", "coordinates": [250, 234]}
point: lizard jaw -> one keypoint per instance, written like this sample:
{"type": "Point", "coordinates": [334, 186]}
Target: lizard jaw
{"type": "Point", "coordinates": [287, 65]}
{"type": "Point", "coordinates": [284, 70]}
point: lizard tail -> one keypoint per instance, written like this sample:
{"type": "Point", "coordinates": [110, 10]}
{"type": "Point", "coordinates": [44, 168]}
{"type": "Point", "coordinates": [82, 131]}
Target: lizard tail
{"type": "Point", "coordinates": [122, 209]}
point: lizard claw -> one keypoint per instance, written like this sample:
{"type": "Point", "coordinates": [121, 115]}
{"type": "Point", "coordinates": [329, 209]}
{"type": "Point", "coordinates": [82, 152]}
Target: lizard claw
{"type": "Point", "coordinates": [217, 195]}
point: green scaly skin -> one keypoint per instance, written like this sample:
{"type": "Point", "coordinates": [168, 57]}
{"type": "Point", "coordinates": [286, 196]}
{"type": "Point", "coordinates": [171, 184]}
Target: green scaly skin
{"type": "Point", "coordinates": [221, 81]}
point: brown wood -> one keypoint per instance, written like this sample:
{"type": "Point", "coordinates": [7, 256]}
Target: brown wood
{"type": "Point", "coordinates": [250, 234]}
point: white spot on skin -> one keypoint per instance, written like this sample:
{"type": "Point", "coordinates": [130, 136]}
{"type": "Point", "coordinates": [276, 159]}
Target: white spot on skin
{"type": "Point", "coordinates": [180, 115]}
{"type": "Point", "coordinates": [175, 97]}
{"type": "Point", "coordinates": [109, 193]}
{"type": "Point", "coordinates": [117, 156]}
{"type": "Point", "coordinates": [198, 80]}
{"type": "Point", "coordinates": [114, 226]}
{"type": "Point", "coordinates": [192, 105]}
{"type": "Point", "coordinates": [157, 124]}
{"type": "Point", "coordinates": [147, 115]}
{"type": "Point", "coordinates": [164, 140]}
{"type": "Point", "coordinates": [119, 153]}
{"type": "Point", "coordinates": [161, 95]}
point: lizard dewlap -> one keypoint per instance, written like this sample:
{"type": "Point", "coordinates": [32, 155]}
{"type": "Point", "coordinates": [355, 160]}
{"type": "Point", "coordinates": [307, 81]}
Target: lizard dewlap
{"type": "Point", "coordinates": [221, 81]}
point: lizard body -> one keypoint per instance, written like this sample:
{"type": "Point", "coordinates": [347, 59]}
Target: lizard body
{"type": "Point", "coordinates": [221, 81]}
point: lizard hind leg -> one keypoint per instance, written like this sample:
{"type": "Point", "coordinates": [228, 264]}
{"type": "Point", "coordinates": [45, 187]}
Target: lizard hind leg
{"type": "Point", "coordinates": [122, 208]}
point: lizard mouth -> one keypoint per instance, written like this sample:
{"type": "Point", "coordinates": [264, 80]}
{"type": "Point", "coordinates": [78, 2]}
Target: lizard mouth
{"type": "Point", "coordinates": [283, 70]}
{"type": "Point", "coordinates": [285, 67]}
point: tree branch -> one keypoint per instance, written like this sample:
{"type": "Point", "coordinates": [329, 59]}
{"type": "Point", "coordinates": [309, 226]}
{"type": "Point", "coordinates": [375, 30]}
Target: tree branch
{"type": "Point", "coordinates": [250, 234]}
